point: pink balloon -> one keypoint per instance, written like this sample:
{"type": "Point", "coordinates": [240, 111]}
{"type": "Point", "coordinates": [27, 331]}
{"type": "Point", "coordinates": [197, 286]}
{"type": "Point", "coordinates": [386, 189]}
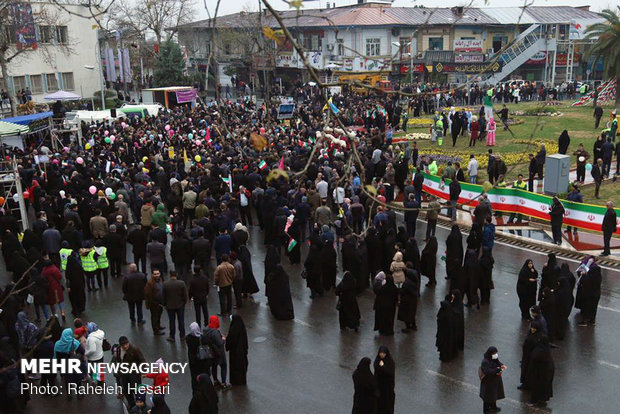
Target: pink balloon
{"type": "Point", "coordinates": [124, 125]}
{"type": "Point", "coordinates": [189, 119]}
{"type": "Point", "coordinates": [171, 132]}
{"type": "Point", "coordinates": [92, 189]}
{"type": "Point", "coordinates": [66, 149]}
{"type": "Point", "coordinates": [112, 138]}
{"type": "Point", "coordinates": [55, 161]}
{"type": "Point", "coordinates": [106, 133]}
{"type": "Point", "coordinates": [79, 160]}
{"type": "Point", "coordinates": [167, 127]}
{"type": "Point", "coordinates": [198, 142]}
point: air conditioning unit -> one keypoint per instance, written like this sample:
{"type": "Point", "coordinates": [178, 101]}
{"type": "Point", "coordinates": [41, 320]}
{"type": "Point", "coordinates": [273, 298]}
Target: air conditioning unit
{"type": "Point", "coordinates": [395, 32]}
{"type": "Point", "coordinates": [330, 47]}
{"type": "Point", "coordinates": [420, 55]}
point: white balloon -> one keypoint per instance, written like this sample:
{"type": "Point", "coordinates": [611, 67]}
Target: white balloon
{"type": "Point", "coordinates": [16, 197]}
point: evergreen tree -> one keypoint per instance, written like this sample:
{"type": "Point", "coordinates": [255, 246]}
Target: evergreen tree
{"type": "Point", "coordinates": [169, 66]}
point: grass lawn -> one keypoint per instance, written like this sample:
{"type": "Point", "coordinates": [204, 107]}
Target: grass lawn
{"type": "Point", "coordinates": [578, 121]}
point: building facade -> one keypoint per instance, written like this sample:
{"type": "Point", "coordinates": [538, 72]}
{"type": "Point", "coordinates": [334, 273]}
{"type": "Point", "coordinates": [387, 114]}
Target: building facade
{"type": "Point", "coordinates": [449, 44]}
{"type": "Point", "coordinates": [59, 51]}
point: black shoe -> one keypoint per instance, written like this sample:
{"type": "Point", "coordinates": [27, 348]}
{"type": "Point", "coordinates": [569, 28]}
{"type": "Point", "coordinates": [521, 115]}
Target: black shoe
{"type": "Point", "coordinates": [406, 331]}
{"type": "Point", "coordinates": [158, 333]}
{"type": "Point", "coordinates": [170, 339]}
{"type": "Point", "coordinates": [141, 322]}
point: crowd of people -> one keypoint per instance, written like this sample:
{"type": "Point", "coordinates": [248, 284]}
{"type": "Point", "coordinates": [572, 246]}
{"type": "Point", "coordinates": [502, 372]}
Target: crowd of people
{"type": "Point", "coordinates": [189, 183]}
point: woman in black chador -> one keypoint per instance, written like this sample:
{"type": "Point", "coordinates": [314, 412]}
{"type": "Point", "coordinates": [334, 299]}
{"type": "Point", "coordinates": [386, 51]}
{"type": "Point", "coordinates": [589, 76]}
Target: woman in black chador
{"type": "Point", "coordinates": [348, 310]}
{"type": "Point", "coordinates": [527, 284]}
{"type": "Point", "coordinates": [447, 341]}
{"type": "Point", "coordinates": [385, 303]}
{"type": "Point", "coordinates": [385, 372]}
{"type": "Point", "coordinates": [454, 253]}
{"type": "Point", "coordinates": [280, 302]}
{"type": "Point", "coordinates": [428, 261]}
{"type": "Point", "coordinates": [237, 347]}
{"type": "Point", "coordinates": [366, 389]}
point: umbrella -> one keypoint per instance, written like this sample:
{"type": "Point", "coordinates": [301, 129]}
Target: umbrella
{"type": "Point", "coordinates": [62, 96]}
{"type": "Point", "coordinates": [10, 129]}
{"type": "Point", "coordinates": [311, 83]}
{"type": "Point", "coordinates": [332, 66]}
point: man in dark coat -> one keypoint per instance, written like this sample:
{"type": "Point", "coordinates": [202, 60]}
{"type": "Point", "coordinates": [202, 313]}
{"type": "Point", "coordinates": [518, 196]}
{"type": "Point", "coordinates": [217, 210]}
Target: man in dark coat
{"type": "Point", "coordinates": [130, 354]}
{"type": "Point", "coordinates": [597, 175]}
{"type": "Point", "coordinates": [138, 239]}
{"type": "Point", "coordinates": [174, 298]}
{"type": "Point", "coordinates": [609, 227]}
{"type": "Point", "coordinates": [201, 252]}
{"type": "Point", "coordinates": [114, 243]}
{"type": "Point", "coordinates": [532, 171]}
{"type": "Point", "coordinates": [411, 216]}
{"type": "Point", "coordinates": [133, 292]}
{"type": "Point", "coordinates": [557, 217]}
{"type": "Point", "coordinates": [181, 255]}
{"type": "Point", "coordinates": [198, 290]}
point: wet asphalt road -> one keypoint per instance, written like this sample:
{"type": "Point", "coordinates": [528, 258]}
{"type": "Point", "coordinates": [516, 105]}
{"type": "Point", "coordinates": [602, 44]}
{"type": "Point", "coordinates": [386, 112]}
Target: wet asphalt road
{"type": "Point", "coordinates": [305, 365]}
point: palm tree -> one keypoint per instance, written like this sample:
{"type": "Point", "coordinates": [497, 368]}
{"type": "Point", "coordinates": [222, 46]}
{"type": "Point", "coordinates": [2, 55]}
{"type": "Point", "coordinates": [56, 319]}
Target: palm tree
{"type": "Point", "coordinates": [607, 45]}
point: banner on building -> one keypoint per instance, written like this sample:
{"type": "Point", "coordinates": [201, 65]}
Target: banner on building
{"type": "Point", "coordinates": [127, 66]}
{"type": "Point", "coordinates": [447, 67]}
{"type": "Point", "coordinates": [468, 58]}
{"type": "Point", "coordinates": [468, 45]}
{"type": "Point", "coordinates": [510, 200]}
{"type": "Point", "coordinates": [185, 96]}
{"type": "Point", "coordinates": [110, 65]}
{"type": "Point", "coordinates": [23, 25]}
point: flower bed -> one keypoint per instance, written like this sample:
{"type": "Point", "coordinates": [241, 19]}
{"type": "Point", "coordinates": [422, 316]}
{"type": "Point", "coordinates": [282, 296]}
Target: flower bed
{"type": "Point", "coordinates": [442, 156]}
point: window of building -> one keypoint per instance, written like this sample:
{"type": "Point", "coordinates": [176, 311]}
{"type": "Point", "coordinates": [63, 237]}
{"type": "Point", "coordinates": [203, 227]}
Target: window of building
{"type": "Point", "coordinates": [435, 43]}
{"type": "Point", "coordinates": [67, 81]}
{"type": "Point", "coordinates": [340, 50]}
{"type": "Point", "coordinates": [36, 84]}
{"type": "Point", "coordinates": [52, 82]}
{"type": "Point", "coordinates": [499, 41]}
{"type": "Point", "coordinates": [317, 42]}
{"type": "Point", "coordinates": [468, 38]}
{"type": "Point", "coordinates": [19, 83]}
{"type": "Point", "coordinates": [373, 47]}
{"type": "Point", "coordinates": [46, 34]}
{"type": "Point", "coordinates": [62, 35]}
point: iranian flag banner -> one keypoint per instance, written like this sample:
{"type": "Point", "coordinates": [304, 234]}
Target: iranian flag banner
{"type": "Point", "coordinates": [509, 200]}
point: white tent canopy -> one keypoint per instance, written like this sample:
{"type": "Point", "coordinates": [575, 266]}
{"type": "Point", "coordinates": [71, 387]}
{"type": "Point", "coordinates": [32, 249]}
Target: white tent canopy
{"type": "Point", "coordinates": [62, 96]}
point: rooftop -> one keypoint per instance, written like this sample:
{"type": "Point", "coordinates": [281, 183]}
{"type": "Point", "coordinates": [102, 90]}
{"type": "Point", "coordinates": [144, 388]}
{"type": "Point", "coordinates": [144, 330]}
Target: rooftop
{"type": "Point", "coordinates": [382, 15]}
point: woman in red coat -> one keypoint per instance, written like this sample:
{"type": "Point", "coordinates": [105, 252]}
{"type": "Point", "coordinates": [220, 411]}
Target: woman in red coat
{"type": "Point", "coordinates": [54, 289]}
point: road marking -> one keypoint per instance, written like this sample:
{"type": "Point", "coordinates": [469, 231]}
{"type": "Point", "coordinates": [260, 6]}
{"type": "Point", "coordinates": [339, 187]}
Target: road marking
{"type": "Point", "coordinates": [475, 389]}
{"type": "Point", "coordinates": [302, 323]}
{"type": "Point", "coordinates": [608, 364]}
{"type": "Point", "coordinates": [609, 309]}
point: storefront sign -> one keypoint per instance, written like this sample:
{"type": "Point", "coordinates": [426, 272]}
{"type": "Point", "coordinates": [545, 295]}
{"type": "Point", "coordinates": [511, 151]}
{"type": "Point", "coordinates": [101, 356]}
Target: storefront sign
{"type": "Point", "coordinates": [416, 68]}
{"type": "Point", "coordinates": [467, 67]}
{"type": "Point", "coordinates": [468, 58]}
{"type": "Point", "coordinates": [468, 45]}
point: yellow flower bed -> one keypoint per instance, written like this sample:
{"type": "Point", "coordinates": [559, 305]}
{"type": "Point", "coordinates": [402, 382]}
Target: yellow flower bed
{"type": "Point", "coordinates": [420, 122]}
{"type": "Point", "coordinates": [510, 158]}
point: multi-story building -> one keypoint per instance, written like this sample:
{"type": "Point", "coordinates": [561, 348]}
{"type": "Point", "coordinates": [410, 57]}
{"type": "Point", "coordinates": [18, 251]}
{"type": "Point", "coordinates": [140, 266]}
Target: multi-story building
{"type": "Point", "coordinates": [449, 44]}
{"type": "Point", "coordinates": [59, 50]}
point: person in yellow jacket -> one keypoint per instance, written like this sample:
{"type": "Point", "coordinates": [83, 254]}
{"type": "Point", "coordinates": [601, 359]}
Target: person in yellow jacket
{"type": "Point", "coordinates": [519, 184]}
{"type": "Point", "coordinates": [89, 265]}
{"type": "Point", "coordinates": [101, 257]}
{"type": "Point", "coordinates": [64, 253]}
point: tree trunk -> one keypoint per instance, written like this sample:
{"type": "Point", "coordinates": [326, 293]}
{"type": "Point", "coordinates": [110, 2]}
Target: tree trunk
{"type": "Point", "coordinates": [5, 84]}
{"type": "Point", "coordinates": [617, 94]}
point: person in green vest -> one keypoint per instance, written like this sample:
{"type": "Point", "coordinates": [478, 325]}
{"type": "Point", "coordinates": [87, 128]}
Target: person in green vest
{"type": "Point", "coordinates": [583, 89]}
{"type": "Point", "coordinates": [101, 257]}
{"type": "Point", "coordinates": [519, 184]}
{"type": "Point", "coordinates": [432, 167]}
{"type": "Point", "coordinates": [89, 265]}
{"type": "Point", "coordinates": [439, 131]}
{"type": "Point", "coordinates": [64, 253]}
